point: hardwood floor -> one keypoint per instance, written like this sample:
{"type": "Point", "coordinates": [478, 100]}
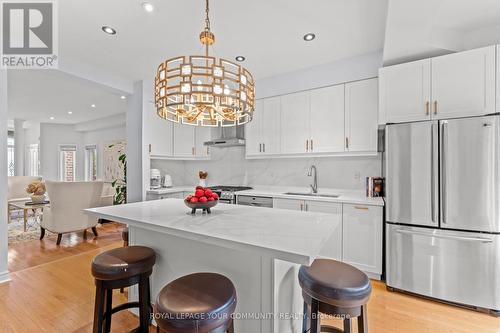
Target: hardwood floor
{"type": "Point", "coordinates": [52, 290]}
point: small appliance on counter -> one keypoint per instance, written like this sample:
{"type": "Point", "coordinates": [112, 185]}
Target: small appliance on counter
{"type": "Point", "coordinates": [167, 181]}
{"type": "Point", "coordinates": [155, 179]}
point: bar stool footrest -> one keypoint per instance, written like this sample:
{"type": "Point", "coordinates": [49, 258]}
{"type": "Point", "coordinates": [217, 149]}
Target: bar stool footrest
{"type": "Point", "coordinates": [330, 329]}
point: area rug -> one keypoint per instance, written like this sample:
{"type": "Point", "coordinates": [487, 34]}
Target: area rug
{"type": "Point", "coordinates": [16, 230]}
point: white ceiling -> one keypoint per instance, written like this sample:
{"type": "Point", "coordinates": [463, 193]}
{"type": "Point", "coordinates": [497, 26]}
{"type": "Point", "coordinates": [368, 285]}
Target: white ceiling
{"type": "Point", "coordinates": [267, 32]}
{"type": "Point", "coordinates": [37, 95]}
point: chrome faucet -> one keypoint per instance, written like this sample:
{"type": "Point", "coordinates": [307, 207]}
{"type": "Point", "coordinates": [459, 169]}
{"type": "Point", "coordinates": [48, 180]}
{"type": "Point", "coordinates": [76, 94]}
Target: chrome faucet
{"type": "Point", "coordinates": [314, 185]}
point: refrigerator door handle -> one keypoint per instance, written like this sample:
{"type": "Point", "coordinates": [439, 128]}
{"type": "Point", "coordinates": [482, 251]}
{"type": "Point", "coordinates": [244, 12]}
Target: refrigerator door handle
{"type": "Point", "coordinates": [444, 139]}
{"type": "Point", "coordinates": [463, 238]}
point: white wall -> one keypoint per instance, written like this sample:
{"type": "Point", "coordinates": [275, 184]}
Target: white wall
{"type": "Point", "coordinates": [54, 135]}
{"type": "Point", "coordinates": [51, 137]}
{"type": "Point", "coordinates": [356, 68]}
{"type": "Point", "coordinates": [102, 138]}
{"type": "Point", "coordinates": [4, 273]}
{"type": "Point", "coordinates": [31, 133]}
{"type": "Point", "coordinates": [229, 167]}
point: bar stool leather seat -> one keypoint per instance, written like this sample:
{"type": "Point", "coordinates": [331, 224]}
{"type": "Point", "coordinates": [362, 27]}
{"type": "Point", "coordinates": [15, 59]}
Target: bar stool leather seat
{"type": "Point", "coordinates": [335, 283]}
{"type": "Point", "coordinates": [122, 263]}
{"type": "Point", "coordinates": [334, 288]}
{"type": "Point", "coordinates": [199, 302]}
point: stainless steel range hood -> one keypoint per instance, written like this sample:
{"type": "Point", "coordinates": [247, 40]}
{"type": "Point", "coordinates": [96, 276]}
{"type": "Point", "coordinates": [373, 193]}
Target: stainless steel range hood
{"type": "Point", "coordinates": [228, 137]}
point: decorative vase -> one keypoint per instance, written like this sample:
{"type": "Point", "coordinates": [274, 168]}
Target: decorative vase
{"type": "Point", "coordinates": [38, 199]}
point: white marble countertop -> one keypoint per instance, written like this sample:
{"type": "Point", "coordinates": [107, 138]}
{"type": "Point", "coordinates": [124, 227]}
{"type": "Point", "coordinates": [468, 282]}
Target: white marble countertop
{"type": "Point", "coordinates": [288, 235]}
{"type": "Point", "coordinates": [345, 196]}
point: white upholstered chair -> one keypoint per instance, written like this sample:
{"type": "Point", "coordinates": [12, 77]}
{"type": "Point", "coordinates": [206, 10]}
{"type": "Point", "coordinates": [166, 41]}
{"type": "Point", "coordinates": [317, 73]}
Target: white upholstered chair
{"type": "Point", "coordinates": [108, 195]}
{"type": "Point", "coordinates": [67, 202]}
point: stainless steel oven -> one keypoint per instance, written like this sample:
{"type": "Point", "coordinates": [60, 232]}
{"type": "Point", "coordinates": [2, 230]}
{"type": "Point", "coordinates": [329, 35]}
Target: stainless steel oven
{"type": "Point", "coordinates": [227, 194]}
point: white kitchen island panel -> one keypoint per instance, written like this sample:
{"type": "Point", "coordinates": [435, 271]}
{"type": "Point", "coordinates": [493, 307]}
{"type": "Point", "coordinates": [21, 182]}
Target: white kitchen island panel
{"type": "Point", "coordinates": [259, 249]}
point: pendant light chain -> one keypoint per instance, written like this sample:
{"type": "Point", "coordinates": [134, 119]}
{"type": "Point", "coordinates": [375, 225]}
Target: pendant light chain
{"type": "Point", "coordinates": [207, 19]}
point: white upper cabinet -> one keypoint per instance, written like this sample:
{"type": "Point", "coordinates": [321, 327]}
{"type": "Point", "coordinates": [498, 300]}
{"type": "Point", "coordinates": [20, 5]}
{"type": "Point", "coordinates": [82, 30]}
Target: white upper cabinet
{"type": "Point", "coordinates": [361, 115]}
{"type": "Point", "coordinates": [295, 123]}
{"type": "Point", "coordinates": [450, 86]}
{"type": "Point", "coordinates": [184, 141]}
{"type": "Point", "coordinates": [158, 135]}
{"type": "Point", "coordinates": [202, 135]}
{"type": "Point", "coordinates": [270, 126]}
{"type": "Point", "coordinates": [253, 143]}
{"type": "Point", "coordinates": [327, 120]}
{"type": "Point", "coordinates": [498, 79]}
{"type": "Point", "coordinates": [262, 134]}
{"type": "Point", "coordinates": [316, 122]}
{"type": "Point", "coordinates": [405, 91]}
{"type": "Point", "coordinates": [463, 84]}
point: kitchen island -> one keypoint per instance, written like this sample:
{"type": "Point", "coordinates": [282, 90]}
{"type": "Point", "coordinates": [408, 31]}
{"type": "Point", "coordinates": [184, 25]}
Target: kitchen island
{"type": "Point", "coordinates": [259, 249]}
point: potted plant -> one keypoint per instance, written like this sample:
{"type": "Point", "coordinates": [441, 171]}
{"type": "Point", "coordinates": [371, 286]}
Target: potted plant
{"type": "Point", "coordinates": [37, 192]}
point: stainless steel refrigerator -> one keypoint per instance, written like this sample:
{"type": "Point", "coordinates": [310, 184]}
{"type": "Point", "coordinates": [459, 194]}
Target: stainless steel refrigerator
{"type": "Point", "coordinates": [442, 214]}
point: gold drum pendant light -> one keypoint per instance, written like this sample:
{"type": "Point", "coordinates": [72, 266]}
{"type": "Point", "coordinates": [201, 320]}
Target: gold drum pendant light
{"type": "Point", "coordinates": [204, 90]}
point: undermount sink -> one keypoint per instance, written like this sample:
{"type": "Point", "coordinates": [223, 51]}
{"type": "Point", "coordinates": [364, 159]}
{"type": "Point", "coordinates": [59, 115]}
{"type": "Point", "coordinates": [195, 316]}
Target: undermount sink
{"type": "Point", "coordinates": [313, 194]}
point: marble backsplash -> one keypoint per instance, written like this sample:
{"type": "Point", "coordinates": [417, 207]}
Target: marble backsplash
{"type": "Point", "coordinates": [228, 166]}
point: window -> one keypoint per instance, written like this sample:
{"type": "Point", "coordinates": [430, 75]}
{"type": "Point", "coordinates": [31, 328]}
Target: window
{"type": "Point", "coordinates": [67, 162]}
{"type": "Point", "coordinates": [11, 167]}
{"type": "Point", "coordinates": [91, 163]}
{"type": "Point", "coordinates": [33, 160]}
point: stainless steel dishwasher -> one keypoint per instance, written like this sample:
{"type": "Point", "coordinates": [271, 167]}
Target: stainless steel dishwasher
{"type": "Point", "coordinates": [249, 200]}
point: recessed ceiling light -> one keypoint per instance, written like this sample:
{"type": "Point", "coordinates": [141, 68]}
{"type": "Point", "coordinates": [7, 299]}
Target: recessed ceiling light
{"type": "Point", "coordinates": [92, 105]}
{"type": "Point", "coordinates": [123, 97]}
{"type": "Point", "coordinates": [240, 58]}
{"type": "Point", "coordinates": [148, 7]}
{"type": "Point", "coordinates": [108, 30]}
{"type": "Point", "coordinates": [309, 37]}
{"type": "Point", "coordinates": [52, 118]}
{"type": "Point", "coordinates": [70, 112]}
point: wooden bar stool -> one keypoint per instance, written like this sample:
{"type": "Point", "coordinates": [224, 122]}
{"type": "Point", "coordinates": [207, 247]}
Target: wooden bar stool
{"type": "Point", "coordinates": [125, 236]}
{"type": "Point", "coordinates": [196, 303]}
{"type": "Point", "coordinates": [334, 288]}
{"type": "Point", "coordinates": [119, 268]}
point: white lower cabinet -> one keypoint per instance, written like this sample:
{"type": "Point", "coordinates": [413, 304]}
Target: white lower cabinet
{"type": "Point", "coordinates": [357, 240]}
{"type": "Point", "coordinates": [153, 196]}
{"type": "Point", "coordinates": [362, 237]}
{"type": "Point", "coordinates": [333, 247]}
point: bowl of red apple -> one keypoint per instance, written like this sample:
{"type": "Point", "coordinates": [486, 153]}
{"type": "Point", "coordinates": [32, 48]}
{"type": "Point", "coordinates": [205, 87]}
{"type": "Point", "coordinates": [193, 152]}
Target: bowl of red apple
{"type": "Point", "coordinates": [202, 198]}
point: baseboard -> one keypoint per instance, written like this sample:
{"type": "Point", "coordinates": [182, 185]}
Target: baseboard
{"type": "Point", "coordinates": [5, 277]}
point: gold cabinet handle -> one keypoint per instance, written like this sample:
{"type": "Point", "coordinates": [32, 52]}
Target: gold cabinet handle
{"type": "Point", "coordinates": [361, 208]}
{"type": "Point", "coordinates": [260, 147]}
{"type": "Point", "coordinates": [150, 148]}
{"type": "Point", "coordinates": [264, 147]}
{"type": "Point", "coordinates": [347, 143]}
{"type": "Point", "coordinates": [435, 107]}
{"type": "Point", "coordinates": [312, 145]}
{"type": "Point", "coordinates": [301, 206]}
{"type": "Point", "coordinates": [427, 108]}
{"type": "Point", "coordinates": [307, 145]}
{"type": "Point", "coordinates": [192, 150]}
{"type": "Point", "coordinates": [208, 150]}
